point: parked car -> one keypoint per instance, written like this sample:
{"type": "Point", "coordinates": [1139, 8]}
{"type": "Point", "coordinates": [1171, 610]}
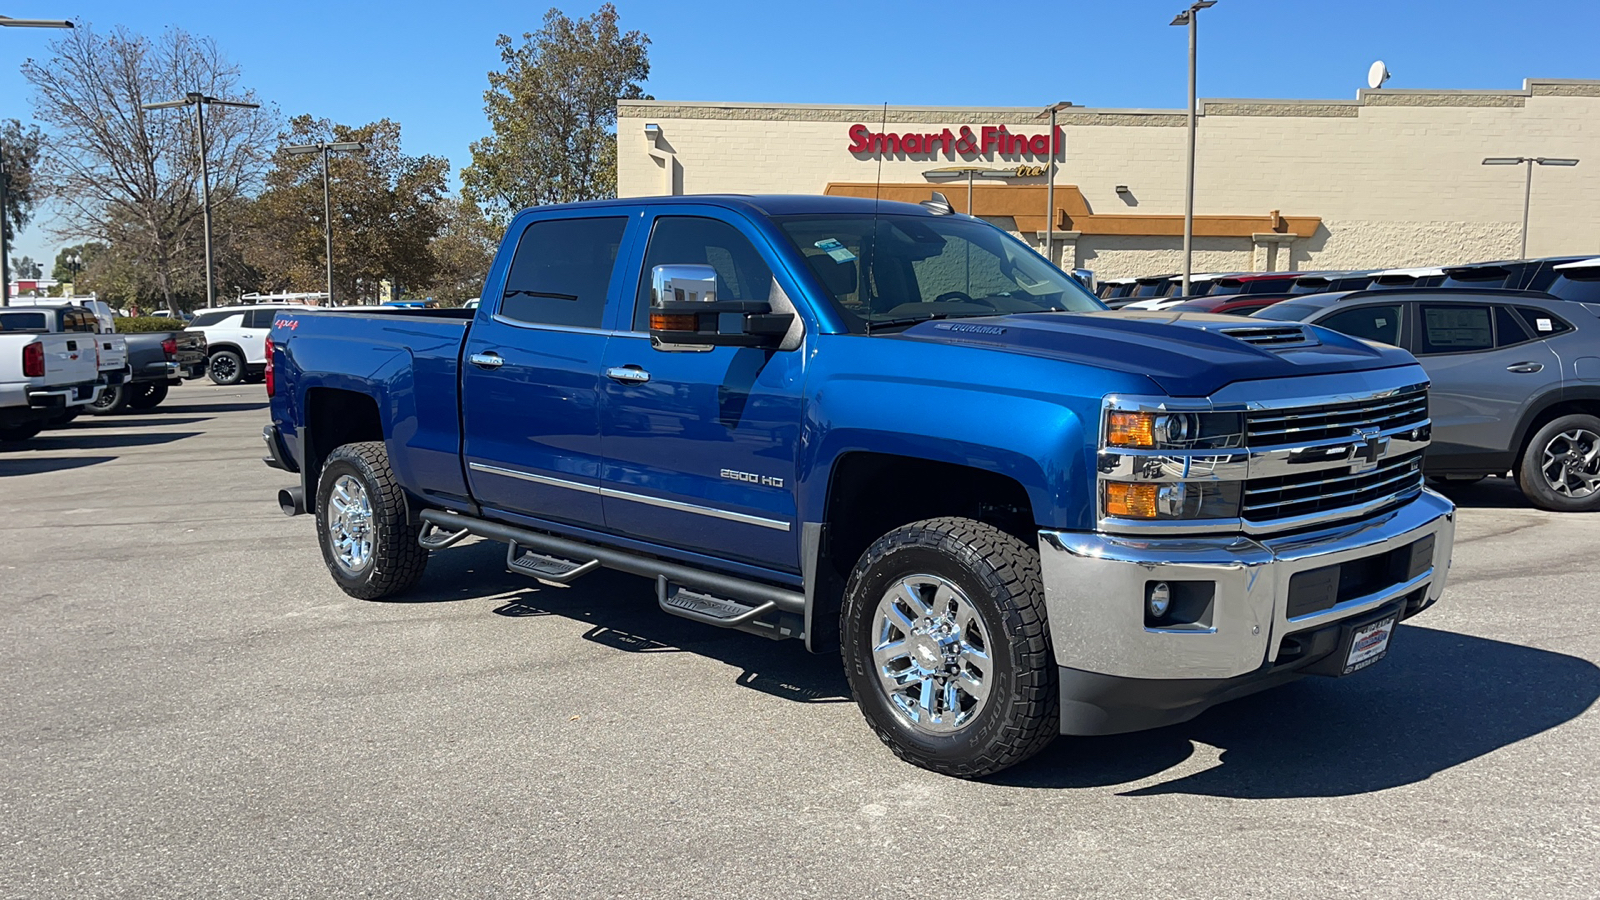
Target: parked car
{"type": "Point", "coordinates": [1116, 288]}
{"type": "Point", "coordinates": [42, 376]}
{"type": "Point", "coordinates": [236, 339]}
{"type": "Point", "coordinates": [1415, 277]}
{"type": "Point", "coordinates": [1512, 274]}
{"type": "Point", "coordinates": [1578, 281]}
{"type": "Point", "coordinates": [1228, 304]}
{"type": "Point", "coordinates": [158, 361]}
{"type": "Point", "coordinates": [111, 350]}
{"type": "Point", "coordinates": [1327, 282]}
{"type": "Point", "coordinates": [1516, 380]}
{"type": "Point", "coordinates": [101, 310]}
{"type": "Point", "coordinates": [887, 429]}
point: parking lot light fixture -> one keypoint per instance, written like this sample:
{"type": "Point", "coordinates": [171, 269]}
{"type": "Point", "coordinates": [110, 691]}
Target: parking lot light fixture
{"type": "Point", "coordinates": [1050, 182]}
{"type": "Point", "coordinates": [325, 148]}
{"type": "Point", "coordinates": [200, 101]}
{"type": "Point", "coordinates": [1190, 19]}
{"type": "Point", "coordinates": [8, 22]}
{"type": "Point", "coordinates": [1527, 188]}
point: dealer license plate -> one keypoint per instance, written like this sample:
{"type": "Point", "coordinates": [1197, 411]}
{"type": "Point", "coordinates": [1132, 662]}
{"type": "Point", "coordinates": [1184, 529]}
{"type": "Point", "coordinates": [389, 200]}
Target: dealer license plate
{"type": "Point", "coordinates": [1369, 644]}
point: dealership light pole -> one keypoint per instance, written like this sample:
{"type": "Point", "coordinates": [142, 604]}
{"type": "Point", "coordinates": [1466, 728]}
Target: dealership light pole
{"type": "Point", "coordinates": [1527, 190]}
{"type": "Point", "coordinates": [200, 101]}
{"type": "Point", "coordinates": [5, 177]}
{"type": "Point", "coordinates": [1050, 184]}
{"type": "Point", "coordinates": [1190, 17]}
{"type": "Point", "coordinates": [325, 148]}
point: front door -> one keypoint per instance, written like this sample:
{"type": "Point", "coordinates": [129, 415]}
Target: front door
{"type": "Point", "coordinates": [701, 447]}
{"type": "Point", "coordinates": [529, 386]}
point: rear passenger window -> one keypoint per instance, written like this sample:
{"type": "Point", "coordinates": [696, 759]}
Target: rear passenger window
{"type": "Point", "coordinates": [562, 271]}
{"type": "Point", "coordinates": [1455, 329]}
{"type": "Point", "coordinates": [1508, 329]}
{"type": "Point", "coordinates": [678, 240]}
{"type": "Point", "coordinates": [259, 318]}
{"type": "Point", "coordinates": [1542, 323]}
{"type": "Point", "coordinates": [1370, 323]}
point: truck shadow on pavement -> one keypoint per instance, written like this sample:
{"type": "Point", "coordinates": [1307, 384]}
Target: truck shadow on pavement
{"type": "Point", "coordinates": [622, 613]}
{"type": "Point", "coordinates": [1440, 700]}
{"type": "Point", "coordinates": [66, 440]}
{"type": "Point", "coordinates": [35, 465]}
{"type": "Point", "coordinates": [198, 408]}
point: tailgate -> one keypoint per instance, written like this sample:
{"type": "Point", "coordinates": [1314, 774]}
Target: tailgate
{"type": "Point", "coordinates": [68, 359]}
{"type": "Point", "coordinates": [113, 352]}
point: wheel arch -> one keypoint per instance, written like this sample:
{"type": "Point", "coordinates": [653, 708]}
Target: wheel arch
{"type": "Point", "coordinates": [1576, 400]}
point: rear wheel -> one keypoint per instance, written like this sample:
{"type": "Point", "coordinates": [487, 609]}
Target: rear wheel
{"type": "Point", "coordinates": [227, 367]}
{"type": "Point", "coordinates": [1560, 468]}
{"type": "Point", "coordinates": [147, 395]}
{"type": "Point", "coordinates": [947, 649]}
{"type": "Point", "coordinates": [113, 399]}
{"type": "Point", "coordinates": [368, 539]}
{"type": "Point", "coordinates": [63, 419]}
{"type": "Point", "coordinates": [22, 432]}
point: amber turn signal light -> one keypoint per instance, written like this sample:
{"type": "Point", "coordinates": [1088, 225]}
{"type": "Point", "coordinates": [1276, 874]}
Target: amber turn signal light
{"type": "Point", "coordinates": [1132, 429]}
{"type": "Point", "coordinates": [673, 322]}
{"type": "Point", "coordinates": [1131, 501]}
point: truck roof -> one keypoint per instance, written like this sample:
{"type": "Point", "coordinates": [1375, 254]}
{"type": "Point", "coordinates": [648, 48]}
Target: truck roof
{"type": "Point", "coordinates": [764, 204]}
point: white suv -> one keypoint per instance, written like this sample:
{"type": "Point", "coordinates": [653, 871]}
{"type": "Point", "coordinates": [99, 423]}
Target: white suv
{"type": "Point", "coordinates": [237, 339]}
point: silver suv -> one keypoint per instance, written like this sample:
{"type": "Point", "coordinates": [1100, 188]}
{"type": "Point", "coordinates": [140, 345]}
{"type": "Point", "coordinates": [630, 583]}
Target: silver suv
{"type": "Point", "coordinates": [1516, 380]}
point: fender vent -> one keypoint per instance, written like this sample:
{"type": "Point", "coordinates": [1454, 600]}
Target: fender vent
{"type": "Point", "coordinates": [1273, 335]}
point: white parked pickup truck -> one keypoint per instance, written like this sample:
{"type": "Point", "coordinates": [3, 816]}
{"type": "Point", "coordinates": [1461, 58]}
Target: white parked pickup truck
{"type": "Point", "coordinates": [42, 377]}
{"type": "Point", "coordinates": [65, 318]}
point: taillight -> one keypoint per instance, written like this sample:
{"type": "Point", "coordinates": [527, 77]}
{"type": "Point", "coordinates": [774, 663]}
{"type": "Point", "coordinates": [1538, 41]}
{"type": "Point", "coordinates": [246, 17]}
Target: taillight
{"type": "Point", "coordinates": [267, 375]}
{"type": "Point", "coordinates": [33, 360]}
{"type": "Point", "coordinates": [170, 348]}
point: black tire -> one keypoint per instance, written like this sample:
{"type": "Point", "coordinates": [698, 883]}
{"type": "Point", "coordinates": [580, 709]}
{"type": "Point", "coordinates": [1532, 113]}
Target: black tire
{"type": "Point", "coordinates": [227, 367]}
{"type": "Point", "coordinates": [22, 432]}
{"type": "Point", "coordinates": [113, 399]}
{"type": "Point", "coordinates": [147, 394]}
{"type": "Point", "coordinates": [395, 563]}
{"type": "Point", "coordinates": [1569, 439]}
{"type": "Point", "coordinates": [63, 419]}
{"type": "Point", "coordinates": [999, 576]}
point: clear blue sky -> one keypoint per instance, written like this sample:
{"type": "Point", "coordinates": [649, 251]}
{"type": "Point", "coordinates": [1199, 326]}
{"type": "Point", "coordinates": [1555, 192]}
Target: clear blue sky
{"type": "Point", "coordinates": [424, 64]}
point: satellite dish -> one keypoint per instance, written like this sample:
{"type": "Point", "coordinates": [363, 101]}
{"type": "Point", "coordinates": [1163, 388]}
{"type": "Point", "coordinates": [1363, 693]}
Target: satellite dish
{"type": "Point", "coordinates": [1377, 75]}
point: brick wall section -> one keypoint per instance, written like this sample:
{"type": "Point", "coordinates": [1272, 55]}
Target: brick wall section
{"type": "Point", "coordinates": [1395, 175]}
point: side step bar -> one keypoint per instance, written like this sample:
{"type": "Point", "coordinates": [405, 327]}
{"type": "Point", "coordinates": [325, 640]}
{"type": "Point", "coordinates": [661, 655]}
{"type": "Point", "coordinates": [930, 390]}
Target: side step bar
{"type": "Point", "coordinates": [552, 558]}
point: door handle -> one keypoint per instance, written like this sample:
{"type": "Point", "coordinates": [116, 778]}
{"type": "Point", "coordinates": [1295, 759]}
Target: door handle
{"type": "Point", "coordinates": [489, 360]}
{"type": "Point", "coordinates": [1525, 368]}
{"type": "Point", "coordinates": [628, 374]}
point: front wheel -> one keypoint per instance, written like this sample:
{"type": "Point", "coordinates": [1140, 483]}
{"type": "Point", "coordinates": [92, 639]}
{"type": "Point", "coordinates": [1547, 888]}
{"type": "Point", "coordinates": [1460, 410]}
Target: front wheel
{"type": "Point", "coordinates": [1560, 468]}
{"type": "Point", "coordinates": [368, 539]}
{"type": "Point", "coordinates": [947, 648]}
{"type": "Point", "coordinates": [148, 394]}
{"type": "Point", "coordinates": [227, 367]}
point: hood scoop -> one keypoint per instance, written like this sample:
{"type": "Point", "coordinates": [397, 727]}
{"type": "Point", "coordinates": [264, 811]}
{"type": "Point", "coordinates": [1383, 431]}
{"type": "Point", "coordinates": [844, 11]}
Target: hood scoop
{"type": "Point", "coordinates": [1273, 336]}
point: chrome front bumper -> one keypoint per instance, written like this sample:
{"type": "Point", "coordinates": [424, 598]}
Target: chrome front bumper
{"type": "Point", "coordinates": [1095, 590]}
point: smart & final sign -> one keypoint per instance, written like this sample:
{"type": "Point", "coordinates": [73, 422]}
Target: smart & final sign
{"type": "Point", "coordinates": [987, 140]}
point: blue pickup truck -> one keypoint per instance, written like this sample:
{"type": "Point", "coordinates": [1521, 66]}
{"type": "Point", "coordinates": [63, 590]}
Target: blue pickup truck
{"type": "Point", "coordinates": [890, 431]}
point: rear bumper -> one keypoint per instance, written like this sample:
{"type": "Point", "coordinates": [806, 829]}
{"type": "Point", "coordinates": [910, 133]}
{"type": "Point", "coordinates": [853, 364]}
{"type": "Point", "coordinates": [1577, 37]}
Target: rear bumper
{"type": "Point", "coordinates": [277, 454]}
{"type": "Point", "coordinates": [166, 371]}
{"type": "Point", "coordinates": [60, 398]}
{"type": "Point", "coordinates": [1121, 671]}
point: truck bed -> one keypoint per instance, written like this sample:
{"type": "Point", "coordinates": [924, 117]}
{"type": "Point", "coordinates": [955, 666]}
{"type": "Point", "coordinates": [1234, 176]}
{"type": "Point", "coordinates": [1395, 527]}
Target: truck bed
{"type": "Point", "coordinates": [407, 360]}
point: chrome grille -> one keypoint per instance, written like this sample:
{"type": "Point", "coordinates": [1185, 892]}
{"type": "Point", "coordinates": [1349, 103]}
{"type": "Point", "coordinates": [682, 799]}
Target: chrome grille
{"type": "Point", "coordinates": [1308, 424]}
{"type": "Point", "coordinates": [1324, 490]}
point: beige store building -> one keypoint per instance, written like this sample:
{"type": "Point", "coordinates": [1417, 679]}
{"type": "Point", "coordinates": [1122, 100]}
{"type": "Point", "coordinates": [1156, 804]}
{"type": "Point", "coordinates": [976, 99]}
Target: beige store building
{"type": "Point", "coordinates": [1391, 178]}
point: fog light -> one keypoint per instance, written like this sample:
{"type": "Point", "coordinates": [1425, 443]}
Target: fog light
{"type": "Point", "coordinates": [1160, 599]}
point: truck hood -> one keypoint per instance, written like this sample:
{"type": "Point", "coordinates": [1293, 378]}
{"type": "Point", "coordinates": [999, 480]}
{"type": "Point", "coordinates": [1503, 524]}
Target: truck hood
{"type": "Point", "coordinates": [1188, 354]}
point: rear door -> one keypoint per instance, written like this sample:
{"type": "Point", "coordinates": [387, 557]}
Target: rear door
{"type": "Point", "coordinates": [1487, 369]}
{"type": "Point", "coordinates": [700, 447]}
{"type": "Point", "coordinates": [253, 332]}
{"type": "Point", "coordinates": [531, 369]}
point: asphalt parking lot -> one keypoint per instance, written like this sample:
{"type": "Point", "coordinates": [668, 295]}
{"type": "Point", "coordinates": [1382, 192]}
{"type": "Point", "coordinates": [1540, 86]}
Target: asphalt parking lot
{"type": "Point", "coordinates": [191, 708]}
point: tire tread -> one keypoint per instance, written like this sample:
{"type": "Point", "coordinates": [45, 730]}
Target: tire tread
{"type": "Point", "coordinates": [398, 560]}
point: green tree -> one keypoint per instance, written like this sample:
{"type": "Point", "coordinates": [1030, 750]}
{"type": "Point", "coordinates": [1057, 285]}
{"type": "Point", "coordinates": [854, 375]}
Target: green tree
{"type": "Point", "coordinates": [463, 250]}
{"type": "Point", "coordinates": [19, 153]}
{"type": "Point", "coordinates": [553, 113]}
{"type": "Point", "coordinates": [128, 177]}
{"type": "Point", "coordinates": [387, 209]}
{"type": "Point", "coordinates": [25, 268]}
{"type": "Point", "coordinates": [64, 271]}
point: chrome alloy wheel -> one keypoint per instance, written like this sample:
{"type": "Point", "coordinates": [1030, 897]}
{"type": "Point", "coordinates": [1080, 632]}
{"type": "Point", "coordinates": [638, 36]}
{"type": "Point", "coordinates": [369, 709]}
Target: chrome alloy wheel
{"type": "Point", "coordinates": [1571, 464]}
{"type": "Point", "coordinates": [931, 653]}
{"type": "Point", "coordinates": [350, 524]}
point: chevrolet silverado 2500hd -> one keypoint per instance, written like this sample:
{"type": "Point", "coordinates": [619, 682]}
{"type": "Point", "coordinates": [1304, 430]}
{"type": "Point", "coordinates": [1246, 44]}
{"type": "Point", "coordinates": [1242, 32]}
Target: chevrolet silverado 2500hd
{"type": "Point", "coordinates": [890, 430]}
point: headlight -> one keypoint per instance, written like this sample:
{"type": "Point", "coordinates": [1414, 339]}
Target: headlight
{"type": "Point", "coordinates": [1172, 500]}
{"type": "Point", "coordinates": [1173, 430]}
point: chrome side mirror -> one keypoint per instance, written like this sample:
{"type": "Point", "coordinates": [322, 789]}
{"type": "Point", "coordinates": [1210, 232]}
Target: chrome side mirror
{"type": "Point", "coordinates": [686, 314]}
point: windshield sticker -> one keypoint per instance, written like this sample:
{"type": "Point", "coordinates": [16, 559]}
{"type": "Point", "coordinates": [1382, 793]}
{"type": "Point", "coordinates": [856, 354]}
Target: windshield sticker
{"type": "Point", "coordinates": [1544, 325]}
{"type": "Point", "coordinates": [836, 250]}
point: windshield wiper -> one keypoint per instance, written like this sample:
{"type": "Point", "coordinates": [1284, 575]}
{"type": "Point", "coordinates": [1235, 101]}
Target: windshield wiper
{"type": "Point", "coordinates": [873, 325]}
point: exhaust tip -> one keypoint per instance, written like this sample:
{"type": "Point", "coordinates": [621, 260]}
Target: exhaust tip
{"type": "Point", "coordinates": [292, 501]}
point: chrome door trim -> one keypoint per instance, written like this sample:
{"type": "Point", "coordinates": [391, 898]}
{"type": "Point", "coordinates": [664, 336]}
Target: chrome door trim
{"type": "Point", "coordinates": [729, 515]}
{"type": "Point", "coordinates": [536, 479]}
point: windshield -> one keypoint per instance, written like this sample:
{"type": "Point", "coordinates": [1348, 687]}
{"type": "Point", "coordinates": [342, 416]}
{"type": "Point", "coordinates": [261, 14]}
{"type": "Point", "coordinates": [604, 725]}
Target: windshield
{"type": "Point", "coordinates": [900, 270]}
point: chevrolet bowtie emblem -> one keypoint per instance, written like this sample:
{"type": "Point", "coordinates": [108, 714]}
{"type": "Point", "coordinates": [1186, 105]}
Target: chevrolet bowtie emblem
{"type": "Point", "coordinates": [1368, 450]}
